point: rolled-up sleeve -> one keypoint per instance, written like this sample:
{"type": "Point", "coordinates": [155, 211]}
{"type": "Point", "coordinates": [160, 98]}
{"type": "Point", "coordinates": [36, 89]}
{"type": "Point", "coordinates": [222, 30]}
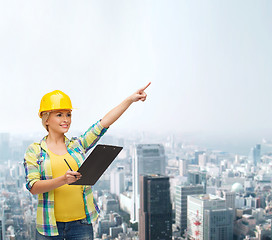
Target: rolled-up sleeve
{"type": "Point", "coordinates": [92, 135]}
{"type": "Point", "coordinates": [31, 166]}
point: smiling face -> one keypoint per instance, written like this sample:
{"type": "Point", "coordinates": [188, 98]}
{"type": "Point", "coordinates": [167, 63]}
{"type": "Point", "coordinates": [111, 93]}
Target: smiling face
{"type": "Point", "coordinates": [59, 121]}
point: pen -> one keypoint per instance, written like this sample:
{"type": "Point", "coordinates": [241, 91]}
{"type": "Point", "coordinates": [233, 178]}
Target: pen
{"type": "Point", "coordinates": [68, 164]}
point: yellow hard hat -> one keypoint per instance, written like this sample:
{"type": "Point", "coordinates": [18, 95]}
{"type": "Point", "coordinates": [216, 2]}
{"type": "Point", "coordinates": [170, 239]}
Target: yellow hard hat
{"type": "Point", "coordinates": [53, 101]}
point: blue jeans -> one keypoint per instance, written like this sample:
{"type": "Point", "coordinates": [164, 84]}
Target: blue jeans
{"type": "Point", "coordinates": [75, 230]}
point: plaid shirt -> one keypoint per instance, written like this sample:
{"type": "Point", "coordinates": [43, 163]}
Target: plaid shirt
{"type": "Point", "coordinates": [37, 167]}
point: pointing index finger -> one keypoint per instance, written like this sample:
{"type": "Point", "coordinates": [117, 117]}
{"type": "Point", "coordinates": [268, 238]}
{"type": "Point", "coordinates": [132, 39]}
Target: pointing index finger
{"type": "Point", "coordinates": [146, 86]}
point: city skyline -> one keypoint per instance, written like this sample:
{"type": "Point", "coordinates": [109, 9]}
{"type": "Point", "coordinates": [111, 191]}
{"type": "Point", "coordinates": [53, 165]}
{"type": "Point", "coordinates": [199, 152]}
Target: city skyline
{"type": "Point", "coordinates": [241, 183]}
{"type": "Point", "coordinates": [208, 64]}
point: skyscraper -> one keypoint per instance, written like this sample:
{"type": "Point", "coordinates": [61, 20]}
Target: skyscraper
{"type": "Point", "coordinates": [183, 167]}
{"type": "Point", "coordinates": [4, 146]}
{"type": "Point", "coordinates": [257, 154]}
{"type": "Point", "coordinates": [147, 159]}
{"type": "Point", "coordinates": [229, 198]}
{"type": "Point", "coordinates": [197, 177]}
{"type": "Point", "coordinates": [218, 224]}
{"type": "Point", "coordinates": [208, 218]}
{"type": "Point", "coordinates": [117, 181]}
{"type": "Point", "coordinates": [1, 227]}
{"type": "Point", "coordinates": [181, 203]}
{"type": "Point", "coordinates": [196, 159]}
{"type": "Point", "coordinates": [156, 211]}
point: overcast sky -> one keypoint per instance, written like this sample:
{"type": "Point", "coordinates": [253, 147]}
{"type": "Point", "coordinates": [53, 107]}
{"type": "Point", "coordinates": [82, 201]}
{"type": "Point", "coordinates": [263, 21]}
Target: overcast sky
{"type": "Point", "coordinates": [210, 63]}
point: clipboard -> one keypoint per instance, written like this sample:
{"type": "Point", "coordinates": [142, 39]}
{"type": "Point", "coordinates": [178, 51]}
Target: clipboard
{"type": "Point", "coordinates": [96, 164]}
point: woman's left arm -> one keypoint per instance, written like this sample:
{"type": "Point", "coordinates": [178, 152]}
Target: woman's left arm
{"type": "Point", "coordinates": [116, 112]}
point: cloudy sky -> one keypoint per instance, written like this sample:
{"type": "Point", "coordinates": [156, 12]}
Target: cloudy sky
{"type": "Point", "coordinates": [209, 63]}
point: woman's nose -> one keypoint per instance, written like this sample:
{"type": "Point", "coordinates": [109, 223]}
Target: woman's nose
{"type": "Point", "coordinates": [65, 119]}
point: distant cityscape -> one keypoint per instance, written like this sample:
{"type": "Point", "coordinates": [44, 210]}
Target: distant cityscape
{"type": "Point", "coordinates": [157, 188]}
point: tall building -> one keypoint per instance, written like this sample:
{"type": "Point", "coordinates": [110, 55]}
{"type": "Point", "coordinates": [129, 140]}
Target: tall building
{"type": "Point", "coordinates": [155, 208]}
{"type": "Point", "coordinates": [208, 218]}
{"type": "Point", "coordinates": [147, 159]}
{"type": "Point", "coordinates": [181, 203]}
{"type": "Point", "coordinates": [197, 177]}
{"type": "Point", "coordinates": [218, 224]}
{"type": "Point", "coordinates": [1, 227]}
{"type": "Point", "coordinates": [4, 146]}
{"type": "Point", "coordinates": [196, 159]}
{"type": "Point", "coordinates": [202, 159]}
{"type": "Point", "coordinates": [3, 221]}
{"type": "Point", "coordinates": [117, 181]}
{"type": "Point", "coordinates": [183, 165]}
{"type": "Point", "coordinates": [229, 198]}
{"type": "Point", "coordinates": [257, 154]}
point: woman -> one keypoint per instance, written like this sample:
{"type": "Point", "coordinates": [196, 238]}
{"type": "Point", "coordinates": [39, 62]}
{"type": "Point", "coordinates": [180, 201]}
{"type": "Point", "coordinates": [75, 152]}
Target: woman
{"type": "Point", "coordinates": [65, 211]}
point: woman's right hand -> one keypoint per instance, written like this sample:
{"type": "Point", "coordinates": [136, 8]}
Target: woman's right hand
{"type": "Point", "coordinates": [71, 176]}
{"type": "Point", "coordinates": [43, 186]}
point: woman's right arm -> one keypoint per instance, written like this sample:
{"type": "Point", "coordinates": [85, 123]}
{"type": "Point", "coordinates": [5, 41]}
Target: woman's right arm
{"type": "Point", "coordinates": [33, 178]}
{"type": "Point", "coordinates": [43, 186]}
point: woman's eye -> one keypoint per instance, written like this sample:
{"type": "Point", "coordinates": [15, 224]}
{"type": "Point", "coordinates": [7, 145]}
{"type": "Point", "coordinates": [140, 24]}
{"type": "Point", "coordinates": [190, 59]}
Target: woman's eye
{"type": "Point", "coordinates": [69, 115]}
{"type": "Point", "coordinates": [59, 115]}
